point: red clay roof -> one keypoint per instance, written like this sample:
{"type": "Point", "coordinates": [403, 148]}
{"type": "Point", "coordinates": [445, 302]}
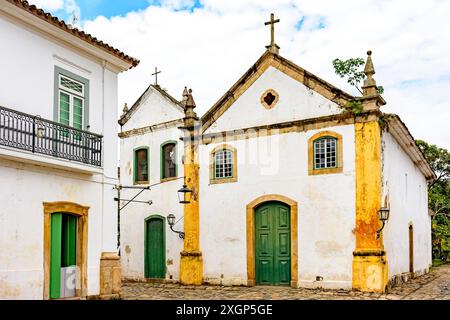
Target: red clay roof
{"type": "Point", "coordinates": [74, 31]}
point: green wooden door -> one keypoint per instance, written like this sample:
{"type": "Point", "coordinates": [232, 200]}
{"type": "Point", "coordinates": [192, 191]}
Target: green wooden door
{"type": "Point", "coordinates": [155, 242]}
{"type": "Point", "coordinates": [62, 249]}
{"type": "Point", "coordinates": [273, 244]}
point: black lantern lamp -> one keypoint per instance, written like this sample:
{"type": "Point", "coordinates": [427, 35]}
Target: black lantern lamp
{"type": "Point", "coordinates": [383, 215]}
{"type": "Point", "coordinates": [184, 195]}
{"type": "Point", "coordinates": [171, 220]}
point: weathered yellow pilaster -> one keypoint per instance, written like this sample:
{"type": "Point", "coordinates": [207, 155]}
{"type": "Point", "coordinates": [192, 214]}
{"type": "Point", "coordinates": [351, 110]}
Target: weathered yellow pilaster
{"type": "Point", "coordinates": [369, 258]}
{"type": "Point", "coordinates": [191, 264]}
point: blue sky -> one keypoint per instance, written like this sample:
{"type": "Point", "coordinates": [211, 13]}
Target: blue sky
{"type": "Point", "coordinates": [90, 9]}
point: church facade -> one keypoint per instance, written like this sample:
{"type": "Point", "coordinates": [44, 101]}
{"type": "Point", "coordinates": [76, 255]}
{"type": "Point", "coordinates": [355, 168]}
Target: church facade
{"type": "Point", "coordinates": [288, 185]}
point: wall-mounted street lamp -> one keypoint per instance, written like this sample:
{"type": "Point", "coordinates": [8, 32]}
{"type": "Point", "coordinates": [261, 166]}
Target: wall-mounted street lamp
{"type": "Point", "coordinates": [171, 220]}
{"type": "Point", "coordinates": [383, 215]}
{"type": "Point", "coordinates": [184, 195]}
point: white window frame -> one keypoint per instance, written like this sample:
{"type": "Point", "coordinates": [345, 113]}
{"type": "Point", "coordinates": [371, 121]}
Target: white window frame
{"type": "Point", "coordinates": [336, 154]}
{"type": "Point", "coordinates": [223, 171]}
{"type": "Point", "coordinates": [72, 94]}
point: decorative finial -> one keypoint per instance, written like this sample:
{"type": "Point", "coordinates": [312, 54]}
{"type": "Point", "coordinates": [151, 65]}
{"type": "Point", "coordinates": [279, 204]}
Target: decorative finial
{"type": "Point", "coordinates": [125, 108]}
{"type": "Point", "coordinates": [190, 100]}
{"type": "Point", "coordinates": [273, 47]}
{"type": "Point", "coordinates": [370, 85]}
{"type": "Point", "coordinates": [189, 114]}
{"type": "Point", "coordinates": [184, 96]}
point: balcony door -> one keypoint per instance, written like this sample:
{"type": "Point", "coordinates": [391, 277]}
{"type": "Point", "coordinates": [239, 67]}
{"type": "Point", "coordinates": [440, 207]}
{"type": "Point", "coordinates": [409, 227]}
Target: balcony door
{"type": "Point", "coordinates": [71, 102]}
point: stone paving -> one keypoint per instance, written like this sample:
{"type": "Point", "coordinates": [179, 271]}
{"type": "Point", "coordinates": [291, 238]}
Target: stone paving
{"type": "Point", "coordinates": [432, 286]}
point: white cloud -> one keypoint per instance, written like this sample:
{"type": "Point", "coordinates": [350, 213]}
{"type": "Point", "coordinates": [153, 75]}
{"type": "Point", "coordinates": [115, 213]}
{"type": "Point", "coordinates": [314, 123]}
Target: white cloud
{"type": "Point", "coordinates": [69, 7]}
{"type": "Point", "coordinates": [210, 48]}
{"type": "Point", "coordinates": [50, 5]}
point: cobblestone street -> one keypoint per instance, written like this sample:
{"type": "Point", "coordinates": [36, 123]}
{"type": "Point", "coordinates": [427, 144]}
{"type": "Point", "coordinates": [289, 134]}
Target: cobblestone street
{"type": "Point", "coordinates": [432, 286]}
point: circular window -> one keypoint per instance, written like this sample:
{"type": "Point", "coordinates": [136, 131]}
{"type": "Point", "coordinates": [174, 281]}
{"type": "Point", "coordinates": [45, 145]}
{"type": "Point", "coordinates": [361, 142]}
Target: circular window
{"type": "Point", "coordinates": [269, 99]}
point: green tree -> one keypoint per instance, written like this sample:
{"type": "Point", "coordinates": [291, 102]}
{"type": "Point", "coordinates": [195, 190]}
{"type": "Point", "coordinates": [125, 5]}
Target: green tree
{"type": "Point", "coordinates": [439, 198]}
{"type": "Point", "coordinates": [353, 71]}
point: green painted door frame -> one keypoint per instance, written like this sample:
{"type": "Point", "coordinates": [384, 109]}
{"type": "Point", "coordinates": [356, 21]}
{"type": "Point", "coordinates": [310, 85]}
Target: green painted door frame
{"type": "Point", "coordinates": [155, 247]}
{"type": "Point", "coordinates": [273, 244]}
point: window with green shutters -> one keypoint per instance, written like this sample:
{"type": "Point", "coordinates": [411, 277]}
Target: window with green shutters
{"type": "Point", "coordinates": [71, 102]}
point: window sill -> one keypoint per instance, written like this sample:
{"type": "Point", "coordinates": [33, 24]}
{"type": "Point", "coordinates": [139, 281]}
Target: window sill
{"type": "Point", "coordinates": [141, 183]}
{"type": "Point", "coordinates": [221, 181]}
{"type": "Point", "coordinates": [168, 179]}
{"type": "Point", "coordinates": [316, 172]}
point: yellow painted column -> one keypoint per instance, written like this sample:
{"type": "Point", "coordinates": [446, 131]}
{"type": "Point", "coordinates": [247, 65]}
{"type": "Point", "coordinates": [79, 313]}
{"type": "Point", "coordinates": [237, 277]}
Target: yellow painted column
{"type": "Point", "coordinates": [369, 258]}
{"type": "Point", "coordinates": [191, 263]}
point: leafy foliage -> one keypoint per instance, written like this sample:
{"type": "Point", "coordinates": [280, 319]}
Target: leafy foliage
{"type": "Point", "coordinates": [439, 198]}
{"type": "Point", "coordinates": [351, 69]}
{"type": "Point", "coordinates": [355, 106]}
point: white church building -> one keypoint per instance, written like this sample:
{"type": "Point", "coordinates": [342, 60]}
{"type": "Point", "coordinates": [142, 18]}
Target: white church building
{"type": "Point", "coordinates": [293, 188]}
{"type": "Point", "coordinates": [58, 158]}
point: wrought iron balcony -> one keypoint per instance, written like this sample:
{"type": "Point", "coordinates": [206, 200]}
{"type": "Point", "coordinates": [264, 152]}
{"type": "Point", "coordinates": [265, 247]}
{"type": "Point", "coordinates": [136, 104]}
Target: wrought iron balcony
{"type": "Point", "coordinates": [34, 134]}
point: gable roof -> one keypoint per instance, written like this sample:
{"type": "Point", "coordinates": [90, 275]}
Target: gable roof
{"type": "Point", "coordinates": [270, 59]}
{"type": "Point", "coordinates": [54, 21]}
{"type": "Point", "coordinates": [127, 115]}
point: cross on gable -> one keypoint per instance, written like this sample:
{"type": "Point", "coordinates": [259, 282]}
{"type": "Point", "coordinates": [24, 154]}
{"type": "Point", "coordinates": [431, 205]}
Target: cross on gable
{"type": "Point", "coordinates": [272, 22]}
{"type": "Point", "coordinates": [156, 75]}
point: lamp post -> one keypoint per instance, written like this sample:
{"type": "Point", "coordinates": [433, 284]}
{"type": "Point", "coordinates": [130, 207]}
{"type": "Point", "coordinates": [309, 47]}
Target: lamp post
{"type": "Point", "coordinates": [184, 195]}
{"type": "Point", "coordinates": [383, 215]}
{"type": "Point", "coordinates": [171, 221]}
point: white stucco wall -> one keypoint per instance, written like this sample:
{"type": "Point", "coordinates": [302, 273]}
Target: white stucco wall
{"type": "Point", "coordinates": [154, 109]}
{"type": "Point", "coordinates": [326, 206]}
{"type": "Point", "coordinates": [28, 65]}
{"type": "Point", "coordinates": [296, 102]}
{"type": "Point", "coordinates": [405, 187]}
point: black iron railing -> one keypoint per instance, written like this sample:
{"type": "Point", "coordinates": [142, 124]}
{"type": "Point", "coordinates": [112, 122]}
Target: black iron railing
{"type": "Point", "coordinates": [32, 133]}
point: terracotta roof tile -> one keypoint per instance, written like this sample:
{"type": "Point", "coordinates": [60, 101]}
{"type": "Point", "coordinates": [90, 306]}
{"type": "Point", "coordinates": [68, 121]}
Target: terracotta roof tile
{"type": "Point", "coordinates": [74, 31]}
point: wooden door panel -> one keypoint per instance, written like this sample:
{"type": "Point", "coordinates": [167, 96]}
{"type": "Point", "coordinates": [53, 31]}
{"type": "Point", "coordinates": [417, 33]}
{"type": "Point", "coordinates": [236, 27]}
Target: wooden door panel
{"type": "Point", "coordinates": [55, 255]}
{"type": "Point", "coordinates": [273, 245]}
{"type": "Point", "coordinates": [155, 249]}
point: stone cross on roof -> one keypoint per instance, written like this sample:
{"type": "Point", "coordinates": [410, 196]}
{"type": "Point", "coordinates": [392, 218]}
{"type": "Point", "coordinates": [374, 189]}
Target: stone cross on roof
{"type": "Point", "coordinates": [273, 47]}
{"type": "Point", "coordinates": [156, 75]}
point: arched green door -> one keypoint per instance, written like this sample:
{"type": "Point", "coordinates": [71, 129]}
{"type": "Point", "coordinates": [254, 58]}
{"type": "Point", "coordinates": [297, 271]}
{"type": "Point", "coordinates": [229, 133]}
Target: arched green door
{"type": "Point", "coordinates": [273, 244]}
{"type": "Point", "coordinates": [155, 243]}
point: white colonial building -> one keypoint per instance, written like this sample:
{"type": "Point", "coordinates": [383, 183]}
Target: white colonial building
{"type": "Point", "coordinates": [292, 185]}
{"type": "Point", "coordinates": [58, 158]}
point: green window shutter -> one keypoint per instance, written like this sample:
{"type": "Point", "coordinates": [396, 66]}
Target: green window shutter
{"type": "Point", "coordinates": [77, 113]}
{"type": "Point", "coordinates": [55, 256]}
{"type": "Point", "coordinates": [64, 108]}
